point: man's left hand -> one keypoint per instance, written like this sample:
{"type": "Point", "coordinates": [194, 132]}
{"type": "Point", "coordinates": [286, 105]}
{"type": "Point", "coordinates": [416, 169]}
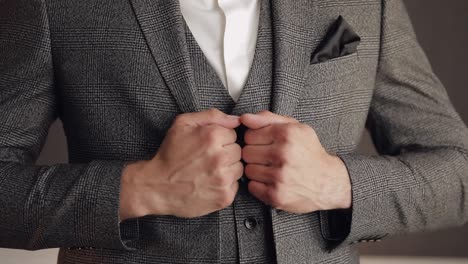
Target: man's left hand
{"type": "Point", "coordinates": [288, 167]}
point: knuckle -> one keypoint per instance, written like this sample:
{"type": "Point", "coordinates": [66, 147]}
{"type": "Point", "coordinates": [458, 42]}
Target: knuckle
{"type": "Point", "coordinates": [211, 134]}
{"type": "Point", "coordinates": [237, 151]}
{"type": "Point", "coordinates": [240, 171]}
{"type": "Point", "coordinates": [235, 155]}
{"type": "Point", "coordinates": [221, 180]}
{"type": "Point", "coordinates": [220, 130]}
{"type": "Point", "coordinates": [214, 112]}
{"type": "Point", "coordinates": [229, 133]}
{"type": "Point", "coordinates": [217, 161]}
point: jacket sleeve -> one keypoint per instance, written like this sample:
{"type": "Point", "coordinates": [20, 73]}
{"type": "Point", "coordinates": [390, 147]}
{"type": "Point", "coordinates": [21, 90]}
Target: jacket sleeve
{"type": "Point", "coordinates": [419, 180]}
{"type": "Point", "coordinates": [63, 205]}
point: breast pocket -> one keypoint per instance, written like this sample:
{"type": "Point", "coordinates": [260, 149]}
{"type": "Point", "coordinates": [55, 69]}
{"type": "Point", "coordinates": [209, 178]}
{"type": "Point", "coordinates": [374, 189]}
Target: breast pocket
{"type": "Point", "coordinates": [333, 89]}
{"type": "Point", "coordinates": [331, 71]}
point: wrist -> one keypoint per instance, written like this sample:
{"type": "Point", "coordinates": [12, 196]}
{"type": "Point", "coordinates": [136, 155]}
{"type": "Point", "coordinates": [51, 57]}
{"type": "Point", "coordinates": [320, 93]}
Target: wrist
{"type": "Point", "coordinates": [343, 184]}
{"type": "Point", "coordinates": [130, 205]}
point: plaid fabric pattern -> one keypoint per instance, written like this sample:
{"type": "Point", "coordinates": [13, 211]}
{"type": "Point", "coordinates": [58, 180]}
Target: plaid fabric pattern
{"type": "Point", "coordinates": [117, 72]}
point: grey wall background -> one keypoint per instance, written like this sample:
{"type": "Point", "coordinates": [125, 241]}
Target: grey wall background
{"type": "Point", "coordinates": [442, 28]}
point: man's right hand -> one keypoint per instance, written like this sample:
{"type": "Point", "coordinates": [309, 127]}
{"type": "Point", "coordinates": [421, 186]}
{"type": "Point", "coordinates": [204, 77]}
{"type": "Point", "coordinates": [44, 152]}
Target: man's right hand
{"type": "Point", "coordinates": [194, 172]}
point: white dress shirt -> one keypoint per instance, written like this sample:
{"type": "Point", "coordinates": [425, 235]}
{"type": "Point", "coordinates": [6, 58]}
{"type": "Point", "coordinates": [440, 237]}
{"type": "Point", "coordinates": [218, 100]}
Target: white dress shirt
{"type": "Point", "coordinates": [226, 31]}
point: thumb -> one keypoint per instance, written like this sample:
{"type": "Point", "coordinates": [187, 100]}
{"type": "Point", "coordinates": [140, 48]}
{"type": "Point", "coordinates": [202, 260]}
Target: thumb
{"type": "Point", "coordinates": [212, 116]}
{"type": "Point", "coordinates": [263, 119]}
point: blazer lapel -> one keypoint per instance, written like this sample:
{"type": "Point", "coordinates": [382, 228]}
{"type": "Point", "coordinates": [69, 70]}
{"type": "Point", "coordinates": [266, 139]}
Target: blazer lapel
{"type": "Point", "coordinates": [293, 33]}
{"type": "Point", "coordinates": [161, 23]}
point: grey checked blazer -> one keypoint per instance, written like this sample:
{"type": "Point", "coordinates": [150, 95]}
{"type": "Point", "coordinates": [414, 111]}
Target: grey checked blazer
{"type": "Point", "coordinates": [117, 73]}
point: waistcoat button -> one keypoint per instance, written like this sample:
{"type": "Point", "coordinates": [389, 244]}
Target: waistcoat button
{"type": "Point", "coordinates": [250, 223]}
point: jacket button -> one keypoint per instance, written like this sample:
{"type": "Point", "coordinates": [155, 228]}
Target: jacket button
{"type": "Point", "coordinates": [250, 223]}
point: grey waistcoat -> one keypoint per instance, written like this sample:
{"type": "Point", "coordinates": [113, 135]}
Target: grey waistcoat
{"type": "Point", "coordinates": [245, 226]}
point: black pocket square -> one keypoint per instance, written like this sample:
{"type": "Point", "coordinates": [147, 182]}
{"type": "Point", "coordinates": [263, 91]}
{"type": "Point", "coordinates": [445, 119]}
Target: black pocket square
{"type": "Point", "coordinates": [340, 40]}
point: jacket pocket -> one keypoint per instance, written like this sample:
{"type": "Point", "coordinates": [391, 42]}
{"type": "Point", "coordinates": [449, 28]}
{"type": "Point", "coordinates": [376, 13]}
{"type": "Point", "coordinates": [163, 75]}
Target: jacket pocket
{"type": "Point", "coordinates": [331, 69]}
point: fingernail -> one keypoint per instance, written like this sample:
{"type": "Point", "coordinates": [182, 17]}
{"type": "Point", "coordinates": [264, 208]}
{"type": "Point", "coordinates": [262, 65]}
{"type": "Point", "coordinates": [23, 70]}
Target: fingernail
{"type": "Point", "coordinates": [233, 116]}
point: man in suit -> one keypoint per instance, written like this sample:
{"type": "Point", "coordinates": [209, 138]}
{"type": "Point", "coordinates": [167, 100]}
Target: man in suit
{"type": "Point", "coordinates": [173, 160]}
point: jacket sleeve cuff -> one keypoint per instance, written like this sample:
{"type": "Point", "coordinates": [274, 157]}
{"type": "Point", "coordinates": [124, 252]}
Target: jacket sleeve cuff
{"type": "Point", "coordinates": [364, 220]}
{"type": "Point", "coordinates": [101, 225]}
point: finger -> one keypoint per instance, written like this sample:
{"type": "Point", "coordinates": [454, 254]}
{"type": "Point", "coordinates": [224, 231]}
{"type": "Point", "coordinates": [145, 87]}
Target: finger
{"type": "Point", "coordinates": [229, 135]}
{"type": "Point", "coordinates": [237, 171]}
{"type": "Point", "coordinates": [233, 152]}
{"type": "Point", "coordinates": [235, 188]}
{"type": "Point", "coordinates": [257, 154]}
{"type": "Point", "coordinates": [223, 136]}
{"type": "Point", "coordinates": [259, 190]}
{"type": "Point", "coordinates": [261, 136]}
{"type": "Point", "coordinates": [211, 116]}
{"type": "Point", "coordinates": [264, 118]}
{"type": "Point", "coordinates": [259, 173]}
